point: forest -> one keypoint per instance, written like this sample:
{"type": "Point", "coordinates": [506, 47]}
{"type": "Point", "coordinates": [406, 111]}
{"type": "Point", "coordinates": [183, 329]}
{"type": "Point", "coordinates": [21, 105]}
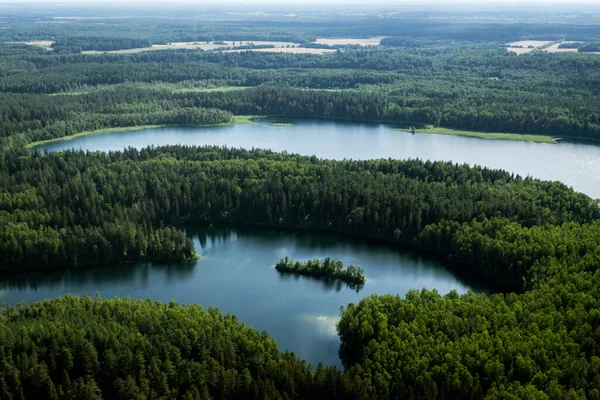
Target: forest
{"type": "Point", "coordinates": [449, 84]}
{"type": "Point", "coordinates": [327, 268]}
{"type": "Point", "coordinates": [539, 237]}
{"type": "Point", "coordinates": [537, 338]}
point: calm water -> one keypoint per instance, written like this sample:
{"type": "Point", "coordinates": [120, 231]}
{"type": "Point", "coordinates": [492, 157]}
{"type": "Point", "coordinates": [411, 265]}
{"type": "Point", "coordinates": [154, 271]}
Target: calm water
{"type": "Point", "coordinates": [236, 271]}
{"type": "Point", "coordinates": [575, 164]}
{"type": "Point", "coordinates": [236, 275]}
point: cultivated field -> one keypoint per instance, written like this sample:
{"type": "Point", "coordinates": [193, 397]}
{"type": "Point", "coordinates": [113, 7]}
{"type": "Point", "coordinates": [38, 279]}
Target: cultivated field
{"type": "Point", "coordinates": [526, 46]}
{"type": "Point", "coordinates": [554, 48]}
{"type": "Point", "coordinates": [195, 46]}
{"type": "Point", "coordinates": [374, 41]}
{"type": "Point", "coordinates": [280, 47]}
{"type": "Point", "coordinates": [42, 43]}
{"type": "Point", "coordinates": [292, 50]}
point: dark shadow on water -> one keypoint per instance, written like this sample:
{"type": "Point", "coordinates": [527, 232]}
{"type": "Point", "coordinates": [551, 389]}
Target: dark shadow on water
{"type": "Point", "coordinates": [138, 274]}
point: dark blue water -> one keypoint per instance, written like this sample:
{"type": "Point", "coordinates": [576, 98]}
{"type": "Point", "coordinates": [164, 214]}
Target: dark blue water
{"type": "Point", "coordinates": [236, 274]}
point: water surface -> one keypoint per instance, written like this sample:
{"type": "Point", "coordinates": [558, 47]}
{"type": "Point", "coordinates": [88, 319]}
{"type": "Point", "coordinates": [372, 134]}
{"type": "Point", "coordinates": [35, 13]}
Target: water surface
{"type": "Point", "coordinates": [236, 274]}
{"type": "Point", "coordinates": [576, 164]}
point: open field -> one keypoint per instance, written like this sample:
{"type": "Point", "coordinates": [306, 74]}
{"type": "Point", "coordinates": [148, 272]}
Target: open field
{"type": "Point", "coordinates": [211, 89]}
{"type": "Point", "coordinates": [554, 48]}
{"type": "Point", "coordinates": [41, 43]}
{"type": "Point", "coordinates": [292, 50]}
{"type": "Point", "coordinates": [194, 46]}
{"type": "Point", "coordinates": [527, 46]}
{"type": "Point", "coordinates": [237, 120]}
{"type": "Point", "coordinates": [374, 41]}
{"type": "Point", "coordinates": [485, 135]}
{"type": "Point", "coordinates": [258, 43]}
{"type": "Point", "coordinates": [165, 86]}
{"type": "Point", "coordinates": [170, 46]}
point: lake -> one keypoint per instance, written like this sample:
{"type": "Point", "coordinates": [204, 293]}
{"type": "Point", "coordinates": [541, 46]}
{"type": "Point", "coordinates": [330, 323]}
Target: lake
{"type": "Point", "coordinates": [573, 163]}
{"type": "Point", "coordinates": [236, 274]}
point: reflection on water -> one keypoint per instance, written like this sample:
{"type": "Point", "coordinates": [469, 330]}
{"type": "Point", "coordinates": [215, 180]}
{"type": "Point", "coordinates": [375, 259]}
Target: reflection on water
{"type": "Point", "coordinates": [328, 283]}
{"type": "Point", "coordinates": [236, 274]}
{"type": "Point", "coordinates": [100, 276]}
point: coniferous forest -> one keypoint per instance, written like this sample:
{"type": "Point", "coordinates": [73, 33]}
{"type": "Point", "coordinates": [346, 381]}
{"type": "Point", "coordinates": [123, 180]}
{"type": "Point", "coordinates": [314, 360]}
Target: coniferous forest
{"type": "Point", "coordinates": [539, 338]}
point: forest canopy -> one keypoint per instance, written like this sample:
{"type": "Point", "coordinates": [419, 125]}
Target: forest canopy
{"type": "Point", "coordinates": [537, 338]}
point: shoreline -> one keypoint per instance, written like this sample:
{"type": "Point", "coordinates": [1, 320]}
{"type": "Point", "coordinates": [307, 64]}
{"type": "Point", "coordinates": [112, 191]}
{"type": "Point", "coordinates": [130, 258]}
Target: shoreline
{"type": "Point", "coordinates": [247, 119]}
{"type": "Point", "coordinates": [486, 135]}
{"type": "Point", "coordinates": [237, 120]}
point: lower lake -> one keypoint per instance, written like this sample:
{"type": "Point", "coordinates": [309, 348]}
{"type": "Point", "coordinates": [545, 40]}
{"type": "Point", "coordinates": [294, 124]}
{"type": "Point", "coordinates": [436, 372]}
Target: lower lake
{"type": "Point", "coordinates": [236, 274]}
{"type": "Point", "coordinates": [576, 164]}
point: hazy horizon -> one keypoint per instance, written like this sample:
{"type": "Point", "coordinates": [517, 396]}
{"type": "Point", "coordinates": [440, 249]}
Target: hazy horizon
{"type": "Point", "coordinates": [122, 8]}
{"type": "Point", "coordinates": [296, 3]}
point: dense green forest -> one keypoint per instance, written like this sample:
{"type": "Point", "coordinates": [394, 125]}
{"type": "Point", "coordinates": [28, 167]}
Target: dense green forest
{"type": "Point", "coordinates": [589, 48]}
{"type": "Point", "coordinates": [541, 237]}
{"type": "Point", "coordinates": [77, 208]}
{"type": "Point", "coordinates": [83, 348]}
{"type": "Point", "coordinates": [462, 86]}
{"type": "Point", "coordinates": [538, 339]}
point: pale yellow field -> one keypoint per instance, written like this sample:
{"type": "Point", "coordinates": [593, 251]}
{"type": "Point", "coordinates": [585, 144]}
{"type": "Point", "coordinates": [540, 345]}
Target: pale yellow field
{"type": "Point", "coordinates": [260, 43]}
{"type": "Point", "coordinates": [554, 48]}
{"type": "Point", "coordinates": [42, 43]}
{"type": "Point", "coordinates": [292, 50]}
{"type": "Point", "coordinates": [374, 41]}
{"type": "Point", "coordinates": [526, 43]}
{"type": "Point", "coordinates": [193, 46]}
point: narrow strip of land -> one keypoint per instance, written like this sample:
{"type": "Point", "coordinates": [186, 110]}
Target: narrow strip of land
{"type": "Point", "coordinates": [237, 120]}
{"type": "Point", "coordinates": [486, 135]}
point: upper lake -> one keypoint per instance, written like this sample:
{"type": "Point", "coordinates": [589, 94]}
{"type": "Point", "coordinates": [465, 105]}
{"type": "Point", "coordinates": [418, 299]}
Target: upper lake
{"type": "Point", "coordinates": [573, 163]}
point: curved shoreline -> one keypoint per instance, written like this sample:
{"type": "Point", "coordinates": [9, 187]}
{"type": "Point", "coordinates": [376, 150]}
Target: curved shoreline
{"type": "Point", "coordinates": [247, 119]}
{"type": "Point", "coordinates": [237, 120]}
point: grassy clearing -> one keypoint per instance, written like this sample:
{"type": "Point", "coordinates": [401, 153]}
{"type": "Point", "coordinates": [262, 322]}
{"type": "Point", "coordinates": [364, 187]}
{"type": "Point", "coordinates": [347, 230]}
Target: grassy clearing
{"type": "Point", "coordinates": [485, 135]}
{"type": "Point", "coordinates": [46, 44]}
{"type": "Point", "coordinates": [554, 48]}
{"type": "Point", "coordinates": [373, 41]}
{"type": "Point", "coordinates": [89, 133]}
{"type": "Point", "coordinates": [154, 86]}
{"type": "Point", "coordinates": [237, 120]}
{"type": "Point", "coordinates": [213, 89]}
{"type": "Point", "coordinates": [194, 46]}
{"type": "Point", "coordinates": [527, 46]}
{"type": "Point", "coordinates": [291, 50]}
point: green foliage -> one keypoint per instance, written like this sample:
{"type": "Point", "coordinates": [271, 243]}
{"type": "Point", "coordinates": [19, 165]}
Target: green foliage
{"type": "Point", "coordinates": [99, 43]}
{"type": "Point", "coordinates": [73, 209]}
{"type": "Point", "coordinates": [459, 86]}
{"type": "Point", "coordinates": [131, 349]}
{"type": "Point", "coordinates": [77, 208]}
{"type": "Point", "coordinates": [589, 47]}
{"type": "Point", "coordinates": [533, 345]}
{"type": "Point", "coordinates": [327, 268]}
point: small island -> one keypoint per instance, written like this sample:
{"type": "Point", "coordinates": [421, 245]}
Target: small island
{"type": "Point", "coordinates": [328, 268]}
{"type": "Point", "coordinates": [281, 123]}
